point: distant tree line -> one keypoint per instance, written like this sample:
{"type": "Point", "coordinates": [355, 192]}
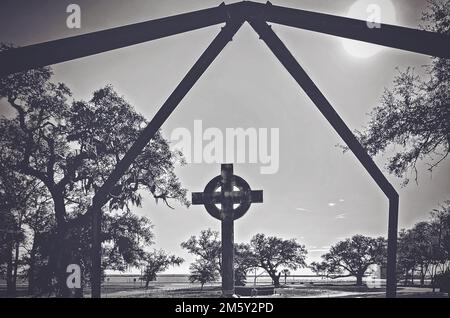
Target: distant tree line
{"type": "Point", "coordinates": [423, 251]}
{"type": "Point", "coordinates": [272, 254]}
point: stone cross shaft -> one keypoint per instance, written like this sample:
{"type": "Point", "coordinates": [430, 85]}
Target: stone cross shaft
{"type": "Point", "coordinates": [234, 196]}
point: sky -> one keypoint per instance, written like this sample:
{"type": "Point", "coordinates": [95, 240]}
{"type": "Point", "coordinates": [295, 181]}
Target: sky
{"type": "Point", "coordinates": [319, 195]}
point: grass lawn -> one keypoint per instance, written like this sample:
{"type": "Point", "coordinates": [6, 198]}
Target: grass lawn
{"type": "Point", "coordinates": [290, 291]}
{"type": "Point", "coordinates": [185, 290]}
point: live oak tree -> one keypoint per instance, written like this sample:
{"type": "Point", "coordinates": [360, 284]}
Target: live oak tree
{"type": "Point", "coordinates": [244, 261]}
{"type": "Point", "coordinates": [425, 248]}
{"type": "Point", "coordinates": [206, 246]}
{"type": "Point", "coordinates": [71, 147]}
{"type": "Point", "coordinates": [18, 194]}
{"type": "Point", "coordinates": [415, 113]}
{"type": "Point", "coordinates": [156, 262]}
{"type": "Point", "coordinates": [208, 249]}
{"type": "Point", "coordinates": [271, 253]}
{"type": "Point", "coordinates": [11, 227]}
{"type": "Point", "coordinates": [440, 224]}
{"type": "Point", "coordinates": [203, 272]}
{"type": "Point", "coordinates": [416, 249]}
{"type": "Point", "coordinates": [439, 232]}
{"type": "Point", "coordinates": [9, 238]}
{"type": "Point", "coordinates": [319, 268]}
{"type": "Point", "coordinates": [40, 224]}
{"type": "Point", "coordinates": [406, 259]}
{"type": "Point", "coordinates": [26, 216]}
{"type": "Point", "coordinates": [353, 257]}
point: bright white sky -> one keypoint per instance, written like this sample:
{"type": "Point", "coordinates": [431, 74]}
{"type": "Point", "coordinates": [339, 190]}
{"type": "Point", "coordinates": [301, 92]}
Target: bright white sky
{"type": "Point", "coordinates": [319, 195]}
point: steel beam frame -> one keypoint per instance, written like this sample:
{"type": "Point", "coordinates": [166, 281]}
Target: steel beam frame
{"type": "Point", "coordinates": [233, 15]}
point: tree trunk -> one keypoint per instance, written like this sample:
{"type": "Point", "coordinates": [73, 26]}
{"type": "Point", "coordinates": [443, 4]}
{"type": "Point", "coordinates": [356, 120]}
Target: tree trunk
{"type": "Point", "coordinates": [433, 277]}
{"type": "Point", "coordinates": [422, 277]}
{"type": "Point", "coordinates": [15, 267]}
{"type": "Point", "coordinates": [359, 280]}
{"type": "Point", "coordinates": [96, 251]}
{"type": "Point", "coordinates": [31, 267]}
{"type": "Point", "coordinates": [16, 257]}
{"type": "Point", "coordinates": [275, 278]}
{"type": "Point", "coordinates": [79, 292]}
{"type": "Point", "coordinates": [61, 254]}
{"type": "Point", "coordinates": [61, 266]}
{"type": "Point", "coordinates": [10, 291]}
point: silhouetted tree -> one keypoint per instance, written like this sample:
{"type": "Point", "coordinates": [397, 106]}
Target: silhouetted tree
{"type": "Point", "coordinates": [40, 224]}
{"type": "Point", "coordinates": [156, 262]}
{"type": "Point", "coordinates": [406, 259]}
{"type": "Point", "coordinates": [203, 272]}
{"type": "Point", "coordinates": [208, 248]}
{"type": "Point", "coordinates": [423, 236]}
{"type": "Point", "coordinates": [424, 249]}
{"type": "Point", "coordinates": [415, 113]}
{"type": "Point", "coordinates": [353, 257]}
{"type": "Point", "coordinates": [17, 194]}
{"type": "Point", "coordinates": [72, 147]}
{"type": "Point", "coordinates": [273, 252]}
{"type": "Point", "coordinates": [244, 260]}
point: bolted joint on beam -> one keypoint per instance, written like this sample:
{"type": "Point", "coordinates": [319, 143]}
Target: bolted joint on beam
{"type": "Point", "coordinates": [236, 13]}
{"type": "Point", "coordinates": [246, 10]}
{"type": "Point", "coordinates": [231, 27]}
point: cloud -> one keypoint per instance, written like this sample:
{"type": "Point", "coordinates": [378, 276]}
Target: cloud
{"type": "Point", "coordinates": [331, 204]}
{"type": "Point", "coordinates": [341, 216]}
{"type": "Point", "coordinates": [341, 200]}
{"type": "Point", "coordinates": [302, 210]}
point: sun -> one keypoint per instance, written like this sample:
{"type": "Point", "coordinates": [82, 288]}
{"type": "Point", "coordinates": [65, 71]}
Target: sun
{"type": "Point", "coordinates": [362, 10]}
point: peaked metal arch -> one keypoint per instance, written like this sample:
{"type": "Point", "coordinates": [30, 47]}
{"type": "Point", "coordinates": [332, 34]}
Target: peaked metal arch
{"type": "Point", "coordinates": [52, 52]}
{"type": "Point", "coordinates": [234, 15]}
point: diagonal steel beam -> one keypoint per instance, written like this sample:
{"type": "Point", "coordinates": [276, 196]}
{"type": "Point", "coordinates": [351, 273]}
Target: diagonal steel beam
{"type": "Point", "coordinates": [53, 52]}
{"type": "Point", "coordinates": [101, 197]}
{"type": "Point", "coordinates": [298, 73]}
{"type": "Point", "coordinates": [408, 39]}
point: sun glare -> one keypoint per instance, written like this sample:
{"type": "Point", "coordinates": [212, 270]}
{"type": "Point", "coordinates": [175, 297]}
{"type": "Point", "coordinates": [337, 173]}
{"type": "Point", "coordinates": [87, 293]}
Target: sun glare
{"type": "Point", "coordinates": [372, 11]}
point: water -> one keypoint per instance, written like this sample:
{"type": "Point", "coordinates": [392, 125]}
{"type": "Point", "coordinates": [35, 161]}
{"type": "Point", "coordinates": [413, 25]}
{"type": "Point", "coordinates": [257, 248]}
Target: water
{"type": "Point", "coordinates": [260, 280]}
